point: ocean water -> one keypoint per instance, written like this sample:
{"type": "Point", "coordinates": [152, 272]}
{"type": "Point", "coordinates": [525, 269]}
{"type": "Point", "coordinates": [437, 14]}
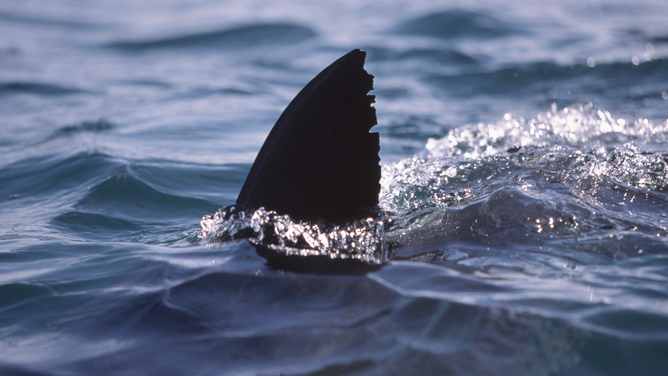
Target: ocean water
{"type": "Point", "coordinates": [525, 177]}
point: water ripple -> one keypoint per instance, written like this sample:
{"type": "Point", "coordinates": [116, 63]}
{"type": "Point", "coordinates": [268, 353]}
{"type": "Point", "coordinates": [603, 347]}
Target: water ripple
{"type": "Point", "coordinates": [11, 88]}
{"type": "Point", "coordinates": [457, 23]}
{"type": "Point", "coordinates": [239, 37]}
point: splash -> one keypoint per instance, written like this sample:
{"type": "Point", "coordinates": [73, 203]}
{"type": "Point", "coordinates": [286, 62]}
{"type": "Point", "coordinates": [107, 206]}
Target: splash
{"type": "Point", "coordinates": [580, 125]}
{"type": "Point", "coordinates": [580, 146]}
{"type": "Point", "coordinates": [358, 240]}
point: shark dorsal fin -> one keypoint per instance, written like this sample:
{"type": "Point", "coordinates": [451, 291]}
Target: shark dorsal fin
{"type": "Point", "coordinates": [320, 161]}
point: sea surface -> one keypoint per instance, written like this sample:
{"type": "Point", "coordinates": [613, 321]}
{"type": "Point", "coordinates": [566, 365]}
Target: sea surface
{"type": "Point", "coordinates": [524, 148]}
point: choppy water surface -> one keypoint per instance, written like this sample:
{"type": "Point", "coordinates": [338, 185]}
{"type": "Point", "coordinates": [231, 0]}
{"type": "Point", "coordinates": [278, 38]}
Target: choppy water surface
{"type": "Point", "coordinates": [524, 151]}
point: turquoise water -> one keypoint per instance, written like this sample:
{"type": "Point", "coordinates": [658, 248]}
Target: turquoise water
{"type": "Point", "coordinates": [524, 150]}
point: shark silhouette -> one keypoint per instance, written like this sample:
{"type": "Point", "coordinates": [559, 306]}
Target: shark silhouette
{"type": "Point", "coordinates": [320, 162]}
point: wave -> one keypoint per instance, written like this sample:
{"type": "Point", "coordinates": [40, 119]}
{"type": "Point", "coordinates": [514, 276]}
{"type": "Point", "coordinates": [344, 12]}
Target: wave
{"type": "Point", "coordinates": [125, 208]}
{"type": "Point", "coordinates": [53, 21]}
{"type": "Point", "coordinates": [457, 23]}
{"type": "Point", "coordinates": [572, 174]}
{"type": "Point", "coordinates": [100, 125]}
{"type": "Point", "coordinates": [102, 197]}
{"type": "Point", "coordinates": [545, 76]}
{"type": "Point", "coordinates": [11, 88]}
{"type": "Point", "coordinates": [238, 37]}
{"type": "Point", "coordinates": [583, 147]}
{"type": "Point", "coordinates": [366, 323]}
{"type": "Point", "coordinates": [124, 196]}
{"type": "Point", "coordinates": [70, 174]}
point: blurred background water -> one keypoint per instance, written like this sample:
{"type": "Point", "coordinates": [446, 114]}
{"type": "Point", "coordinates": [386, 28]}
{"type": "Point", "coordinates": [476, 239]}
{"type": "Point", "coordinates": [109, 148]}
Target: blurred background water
{"type": "Point", "coordinates": [523, 145]}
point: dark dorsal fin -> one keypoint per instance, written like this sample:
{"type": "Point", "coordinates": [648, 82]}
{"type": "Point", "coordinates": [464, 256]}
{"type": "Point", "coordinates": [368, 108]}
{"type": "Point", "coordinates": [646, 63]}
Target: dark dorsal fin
{"type": "Point", "coordinates": [320, 161]}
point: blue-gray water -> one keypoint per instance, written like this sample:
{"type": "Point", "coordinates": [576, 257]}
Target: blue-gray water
{"type": "Point", "coordinates": [525, 152]}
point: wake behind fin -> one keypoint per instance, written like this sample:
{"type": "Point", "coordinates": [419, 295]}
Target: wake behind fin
{"type": "Point", "coordinates": [320, 161]}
